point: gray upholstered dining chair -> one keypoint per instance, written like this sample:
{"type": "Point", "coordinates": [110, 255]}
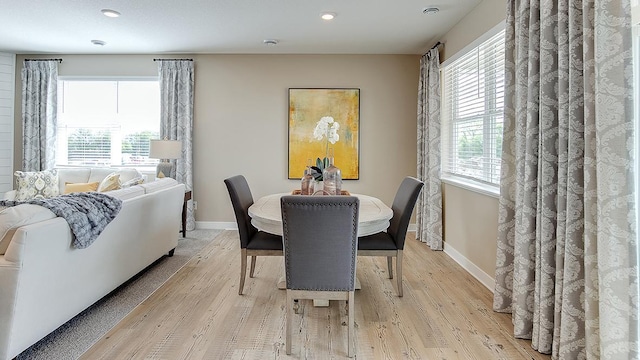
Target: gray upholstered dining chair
{"type": "Point", "coordinates": [320, 245]}
{"type": "Point", "coordinates": [391, 242]}
{"type": "Point", "coordinates": [253, 243]}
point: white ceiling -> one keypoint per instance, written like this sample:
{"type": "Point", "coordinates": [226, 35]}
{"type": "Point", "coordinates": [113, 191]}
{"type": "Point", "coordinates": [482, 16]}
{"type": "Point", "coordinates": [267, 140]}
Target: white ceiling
{"type": "Point", "coordinates": [226, 26]}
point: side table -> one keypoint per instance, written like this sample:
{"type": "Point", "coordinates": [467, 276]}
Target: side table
{"type": "Point", "coordinates": [187, 197]}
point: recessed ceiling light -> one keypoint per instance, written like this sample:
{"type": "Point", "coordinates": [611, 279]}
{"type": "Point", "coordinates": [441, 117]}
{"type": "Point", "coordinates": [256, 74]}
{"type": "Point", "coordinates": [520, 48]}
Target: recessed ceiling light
{"type": "Point", "coordinates": [328, 16]}
{"type": "Point", "coordinates": [270, 42]}
{"type": "Point", "coordinates": [430, 10]}
{"type": "Point", "coordinates": [110, 13]}
{"type": "Point", "coordinates": [98, 42]}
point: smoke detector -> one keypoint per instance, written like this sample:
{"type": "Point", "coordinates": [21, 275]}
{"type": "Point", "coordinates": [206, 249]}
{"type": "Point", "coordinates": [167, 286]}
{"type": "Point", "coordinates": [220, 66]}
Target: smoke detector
{"type": "Point", "coordinates": [430, 10]}
{"type": "Point", "coordinates": [270, 42]}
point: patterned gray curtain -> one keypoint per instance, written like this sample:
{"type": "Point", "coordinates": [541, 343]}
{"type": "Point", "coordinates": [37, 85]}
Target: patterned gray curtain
{"type": "Point", "coordinates": [39, 114]}
{"type": "Point", "coordinates": [567, 251]}
{"type": "Point", "coordinates": [176, 118]}
{"type": "Point", "coordinates": [429, 205]}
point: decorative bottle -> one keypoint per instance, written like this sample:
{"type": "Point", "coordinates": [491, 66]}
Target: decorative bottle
{"type": "Point", "coordinates": [332, 177]}
{"type": "Point", "coordinates": [306, 184]}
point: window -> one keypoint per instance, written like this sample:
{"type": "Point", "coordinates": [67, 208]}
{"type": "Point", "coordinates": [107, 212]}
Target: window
{"type": "Point", "coordinates": [107, 122]}
{"type": "Point", "coordinates": [472, 112]}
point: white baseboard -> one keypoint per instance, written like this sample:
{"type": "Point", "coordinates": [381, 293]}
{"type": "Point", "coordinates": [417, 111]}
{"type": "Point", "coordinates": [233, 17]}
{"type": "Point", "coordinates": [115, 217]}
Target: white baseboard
{"type": "Point", "coordinates": [216, 225]}
{"type": "Point", "coordinates": [474, 270]}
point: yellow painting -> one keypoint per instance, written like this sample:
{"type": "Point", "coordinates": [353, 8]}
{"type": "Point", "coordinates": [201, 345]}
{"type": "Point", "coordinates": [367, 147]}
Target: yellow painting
{"type": "Point", "coordinates": [322, 120]}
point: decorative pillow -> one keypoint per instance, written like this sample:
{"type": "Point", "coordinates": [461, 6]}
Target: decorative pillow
{"type": "Point", "coordinates": [36, 184]}
{"type": "Point", "coordinates": [132, 182]}
{"type": "Point", "coordinates": [111, 182]}
{"type": "Point", "coordinates": [80, 187]}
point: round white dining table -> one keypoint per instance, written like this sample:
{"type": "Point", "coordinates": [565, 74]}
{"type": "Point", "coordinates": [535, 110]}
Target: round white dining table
{"type": "Point", "coordinates": [373, 217]}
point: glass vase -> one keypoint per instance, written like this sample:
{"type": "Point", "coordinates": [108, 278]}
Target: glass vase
{"type": "Point", "coordinates": [307, 182]}
{"type": "Point", "coordinates": [332, 177]}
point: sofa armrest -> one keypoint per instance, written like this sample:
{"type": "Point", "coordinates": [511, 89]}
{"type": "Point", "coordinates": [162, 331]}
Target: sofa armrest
{"type": "Point", "coordinates": [9, 285]}
{"type": "Point", "coordinates": [10, 195]}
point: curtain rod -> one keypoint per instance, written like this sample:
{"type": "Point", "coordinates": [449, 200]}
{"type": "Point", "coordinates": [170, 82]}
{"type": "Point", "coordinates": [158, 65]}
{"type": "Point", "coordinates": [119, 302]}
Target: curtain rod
{"type": "Point", "coordinates": [436, 45]}
{"type": "Point", "coordinates": [172, 59]}
{"type": "Point", "coordinates": [58, 60]}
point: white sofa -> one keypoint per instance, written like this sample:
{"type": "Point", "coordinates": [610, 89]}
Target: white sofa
{"type": "Point", "coordinates": [44, 281]}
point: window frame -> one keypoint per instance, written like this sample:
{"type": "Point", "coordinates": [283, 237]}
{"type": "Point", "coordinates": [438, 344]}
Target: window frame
{"type": "Point", "coordinates": [144, 168]}
{"type": "Point", "coordinates": [465, 182]}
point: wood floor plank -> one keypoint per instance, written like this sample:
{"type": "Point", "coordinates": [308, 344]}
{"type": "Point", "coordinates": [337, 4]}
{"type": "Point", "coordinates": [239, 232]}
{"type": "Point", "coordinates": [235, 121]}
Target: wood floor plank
{"type": "Point", "coordinates": [197, 314]}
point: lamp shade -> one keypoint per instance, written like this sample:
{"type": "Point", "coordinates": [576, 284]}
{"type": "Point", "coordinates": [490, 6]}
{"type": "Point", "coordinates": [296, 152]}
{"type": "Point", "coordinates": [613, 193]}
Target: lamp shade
{"type": "Point", "coordinates": [165, 149]}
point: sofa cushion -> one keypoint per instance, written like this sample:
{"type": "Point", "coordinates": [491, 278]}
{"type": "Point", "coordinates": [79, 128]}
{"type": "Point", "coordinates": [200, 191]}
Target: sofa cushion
{"type": "Point", "coordinates": [99, 174]}
{"type": "Point", "coordinates": [111, 182]}
{"type": "Point", "coordinates": [13, 217]}
{"type": "Point", "coordinates": [127, 193]}
{"type": "Point", "coordinates": [73, 176]}
{"type": "Point", "coordinates": [158, 185]}
{"type": "Point", "coordinates": [80, 187]}
{"type": "Point", "coordinates": [36, 184]}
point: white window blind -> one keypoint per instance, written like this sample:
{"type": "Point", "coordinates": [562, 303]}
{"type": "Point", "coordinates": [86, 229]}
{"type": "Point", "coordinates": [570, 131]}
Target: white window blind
{"type": "Point", "coordinates": [107, 122]}
{"type": "Point", "coordinates": [472, 112]}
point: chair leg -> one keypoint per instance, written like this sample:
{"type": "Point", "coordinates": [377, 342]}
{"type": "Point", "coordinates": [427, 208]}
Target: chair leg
{"type": "Point", "coordinates": [253, 265]}
{"type": "Point", "coordinates": [288, 323]}
{"type": "Point", "coordinates": [243, 269]}
{"type": "Point", "coordinates": [351, 337]}
{"type": "Point", "coordinates": [399, 272]}
{"type": "Point", "coordinates": [390, 266]}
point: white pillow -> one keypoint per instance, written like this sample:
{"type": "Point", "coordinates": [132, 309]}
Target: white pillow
{"type": "Point", "coordinates": [110, 182]}
{"type": "Point", "coordinates": [133, 182]}
{"type": "Point", "coordinates": [36, 184]}
{"type": "Point", "coordinates": [127, 174]}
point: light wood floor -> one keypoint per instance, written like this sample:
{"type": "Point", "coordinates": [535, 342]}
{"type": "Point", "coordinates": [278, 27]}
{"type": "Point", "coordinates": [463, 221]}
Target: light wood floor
{"type": "Point", "coordinates": [445, 314]}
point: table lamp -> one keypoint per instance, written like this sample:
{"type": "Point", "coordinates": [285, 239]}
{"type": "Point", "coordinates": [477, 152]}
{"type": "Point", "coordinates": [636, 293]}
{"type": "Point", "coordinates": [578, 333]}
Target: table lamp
{"type": "Point", "coordinates": [165, 150]}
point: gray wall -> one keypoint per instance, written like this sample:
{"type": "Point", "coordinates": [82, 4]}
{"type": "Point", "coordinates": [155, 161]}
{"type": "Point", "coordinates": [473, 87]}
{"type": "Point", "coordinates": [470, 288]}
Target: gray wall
{"type": "Point", "coordinates": [471, 218]}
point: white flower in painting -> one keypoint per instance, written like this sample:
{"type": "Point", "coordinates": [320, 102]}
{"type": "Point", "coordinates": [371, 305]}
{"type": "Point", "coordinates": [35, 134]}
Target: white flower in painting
{"type": "Point", "coordinates": [333, 136]}
{"type": "Point", "coordinates": [328, 127]}
{"type": "Point", "coordinates": [325, 128]}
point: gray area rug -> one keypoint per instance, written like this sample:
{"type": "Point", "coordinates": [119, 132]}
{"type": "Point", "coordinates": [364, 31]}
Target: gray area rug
{"type": "Point", "coordinates": [76, 336]}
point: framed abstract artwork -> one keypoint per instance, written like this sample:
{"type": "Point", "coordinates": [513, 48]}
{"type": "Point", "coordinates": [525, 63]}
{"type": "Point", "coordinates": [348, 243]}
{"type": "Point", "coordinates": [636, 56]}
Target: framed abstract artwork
{"type": "Point", "coordinates": [321, 120]}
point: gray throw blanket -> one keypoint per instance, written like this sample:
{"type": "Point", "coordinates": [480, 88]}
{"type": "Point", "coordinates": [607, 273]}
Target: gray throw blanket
{"type": "Point", "coordinates": [88, 214]}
